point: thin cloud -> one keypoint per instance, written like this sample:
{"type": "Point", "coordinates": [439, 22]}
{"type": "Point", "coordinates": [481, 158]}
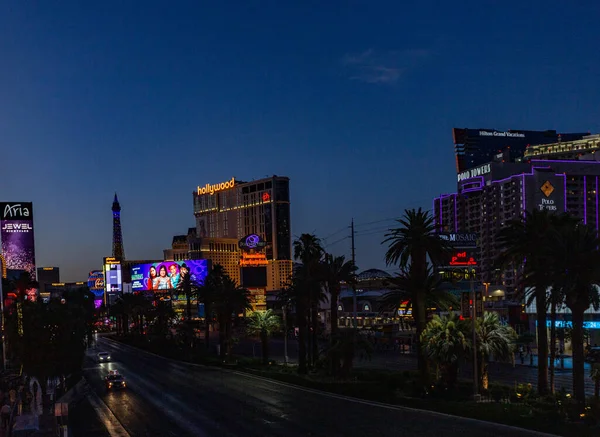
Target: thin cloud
{"type": "Point", "coordinates": [382, 68]}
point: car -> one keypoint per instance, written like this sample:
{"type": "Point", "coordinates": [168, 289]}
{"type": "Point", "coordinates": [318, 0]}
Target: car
{"type": "Point", "coordinates": [114, 381]}
{"type": "Point", "coordinates": [103, 357]}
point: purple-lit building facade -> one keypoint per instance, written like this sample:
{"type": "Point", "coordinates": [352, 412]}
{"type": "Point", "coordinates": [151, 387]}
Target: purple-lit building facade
{"type": "Point", "coordinates": [490, 195]}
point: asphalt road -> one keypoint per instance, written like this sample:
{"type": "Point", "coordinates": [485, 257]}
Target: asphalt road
{"type": "Point", "coordinates": [168, 398]}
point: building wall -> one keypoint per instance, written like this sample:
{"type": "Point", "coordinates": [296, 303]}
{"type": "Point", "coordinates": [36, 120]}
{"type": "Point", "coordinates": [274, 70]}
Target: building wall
{"type": "Point", "coordinates": [47, 275]}
{"type": "Point", "coordinates": [260, 207]}
{"type": "Point", "coordinates": [484, 204]}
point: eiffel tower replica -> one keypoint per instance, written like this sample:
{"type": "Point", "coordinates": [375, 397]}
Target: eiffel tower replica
{"type": "Point", "coordinates": [117, 246]}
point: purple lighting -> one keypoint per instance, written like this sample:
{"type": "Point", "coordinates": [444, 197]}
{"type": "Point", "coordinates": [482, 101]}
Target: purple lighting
{"type": "Point", "coordinates": [596, 203]}
{"type": "Point", "coordinates": [585, 200]}
{"type": "Point", "coordinates": [565, 185]}
{"type": "Point", "coordinates": [435, 199]}
{"type": "Point", "coordinates": [523, 193]}
{"type": "Point", "coordinates": [456, 200]}
{"type": "Point", "coordinates": [565, 160]}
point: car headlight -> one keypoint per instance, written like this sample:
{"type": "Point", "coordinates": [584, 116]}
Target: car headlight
{"type": "Point", "coordinates": [108, 357]}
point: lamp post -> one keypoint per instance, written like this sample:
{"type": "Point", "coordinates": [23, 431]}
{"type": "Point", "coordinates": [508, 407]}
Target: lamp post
{"type": "Point", "coordinates": [2, 276]}
{"type": "Point", "coordinates": [474, 322]}
{"type": "Point", "coordinates": [285, 334]}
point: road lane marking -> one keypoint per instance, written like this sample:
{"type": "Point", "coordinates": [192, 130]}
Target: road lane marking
{"type": "Point", "coordinates": [109, 420]}
{"type": "Point", "coordinates": [345, 398]}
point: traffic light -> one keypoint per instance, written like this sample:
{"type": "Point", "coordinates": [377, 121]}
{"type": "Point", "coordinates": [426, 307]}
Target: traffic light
{"type": "Point", "coordinates": [466, 304]}
{"type": "Point", "coordinates": [479, 304]}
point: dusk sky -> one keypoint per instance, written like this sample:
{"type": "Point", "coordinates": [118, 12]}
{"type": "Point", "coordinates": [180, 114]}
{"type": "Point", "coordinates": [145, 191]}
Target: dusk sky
{"type": "Point", "coordinates": [354, 101]}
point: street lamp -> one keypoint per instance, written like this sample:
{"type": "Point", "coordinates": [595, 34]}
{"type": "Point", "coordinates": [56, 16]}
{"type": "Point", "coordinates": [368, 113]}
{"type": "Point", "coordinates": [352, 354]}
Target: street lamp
{"type": "Point", "coordinates": [3, 276]}
{"type": "Point", "coordinates": [285, 334]}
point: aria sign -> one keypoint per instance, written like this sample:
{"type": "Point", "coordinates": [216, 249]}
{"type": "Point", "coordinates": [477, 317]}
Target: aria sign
{"type": "Point", "coordinates": [252, 242]}
{"type": "Point", "coordinates": [474, 172]}
{"type": "Point", "coordinates": [212, 189]}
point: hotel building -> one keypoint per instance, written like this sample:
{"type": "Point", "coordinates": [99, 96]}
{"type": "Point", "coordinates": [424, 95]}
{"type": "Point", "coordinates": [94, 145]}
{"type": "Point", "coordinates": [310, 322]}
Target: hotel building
{"type": "Point", "coordinates": [475, 147]}
{"type": "Point", "coordinates": [228, 212]}
{"type": "Point", "coordinates": [490, 195]}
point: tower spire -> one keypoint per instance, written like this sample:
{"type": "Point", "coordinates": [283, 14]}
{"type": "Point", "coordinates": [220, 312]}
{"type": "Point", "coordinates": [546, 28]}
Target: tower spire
{"type": "Point", "coordinates": [117, 246]}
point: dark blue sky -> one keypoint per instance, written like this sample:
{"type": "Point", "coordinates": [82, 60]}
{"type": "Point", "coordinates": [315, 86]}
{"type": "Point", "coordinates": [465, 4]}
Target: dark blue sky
{"type": "Point", "coordinates": [354, 101]}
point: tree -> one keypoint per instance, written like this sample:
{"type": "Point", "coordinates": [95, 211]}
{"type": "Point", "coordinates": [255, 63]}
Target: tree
{"type": "Point", "coordinates": [401, 287]}
{"type": "Point", "coordinates": [206, 293]}
{"type": "Point", "coordinates": [49, 339]}
{"type": "Point", "coordinates": [595, 375]}
{"type": "Point", "coordinates": [527, 242]}
{"type": "Point", "coordinates": [229, 301]}
{"type": "Point", "coordinates": [578, 259]}
{"type": "Point", "coordinates": [335, 271]}
{"type": "Point", "coordinates": [445, 340]}
{"type": "Point", "coordinates": [345, 345]}
{"type": "Point", "coordinates": [409, 245]}
{"type": "Point", "coordinates": [493, 340]}
{"type": "Point", "coordinates": [307, 283]}
{"type": "Point", "coordinates": [263, 324]}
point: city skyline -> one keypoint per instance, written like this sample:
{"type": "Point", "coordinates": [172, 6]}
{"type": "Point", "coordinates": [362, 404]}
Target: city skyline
{"type": "Point", "coordinates": [355, 104]}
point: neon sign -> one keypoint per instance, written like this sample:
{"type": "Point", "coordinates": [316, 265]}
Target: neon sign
{"type": "Point", "coordinates": [212, 189]}
{"type": "Point", "coordinates": [252, 242]}
{"type": "Point", "coordinates": [253, 260]}
{"type": "Point", "coordinates": [462, 259]}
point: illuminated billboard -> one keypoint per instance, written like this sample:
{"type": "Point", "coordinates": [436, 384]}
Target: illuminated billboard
{"type": "Point", "coordinates": [113, 282]}
{"type": "Point", "coordinates": [96, 282]}
{"type": "Point", "coordinates": [16, 234]}
{"type": "Point", "coordinates": [167, 275]}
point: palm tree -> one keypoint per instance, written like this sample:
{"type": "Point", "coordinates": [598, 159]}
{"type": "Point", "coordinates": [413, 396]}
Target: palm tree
{"type": "Point", "coordinates": [595, 375]}
{"type": "Point", "coordinates": [445, 341]}
{"type": "Point", "coordinates": [263, 324]}
{"type": "Point", "coordinates": [308, 250]}
{"type": "Point", "coordinates": [526, 241]}
{"type": "Point", "coordinates": [493, 340]}
{"type": "Point", "coordinates": [336, 270]}
{"type": "Point", "coordinates": [345, 345]}
{"type": "Point", "coordinates": [409, 246]}
{"type": "Point", "coordinates": [578, 258]}
{"type": "Point", "coordinates": [436, 296]}
{"type": "Point", "coordinates": [229, 301]}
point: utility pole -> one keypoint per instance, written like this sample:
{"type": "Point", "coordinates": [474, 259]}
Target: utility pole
{"type": "Point", "coordinates": [355, 305]}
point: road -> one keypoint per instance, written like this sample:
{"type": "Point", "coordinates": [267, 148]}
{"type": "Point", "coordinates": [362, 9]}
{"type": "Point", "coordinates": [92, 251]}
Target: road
{"type": "Point", "coordinates": [169, 398]}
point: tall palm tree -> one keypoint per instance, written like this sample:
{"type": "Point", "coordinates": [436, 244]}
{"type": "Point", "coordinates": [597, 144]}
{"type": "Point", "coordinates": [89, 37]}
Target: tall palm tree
{"type": "Point", "coordinates": [230, 300]}
{"type": "Point", "coordinates": [556, 294]}
{"type": "Point", "coordinates": [445, 341]}
{"type": "Point", "coordinates": [206, 293]}
{"type": "Point", "coordinates": [525, 242]}
{"type": "Point", "coordinates": [578, 258]}
{"type": "Point", "coordinates": [410, 244]}
{"type": "Point", "coordinates": [309, 251]}
{"type": "Point", "coordinates": [493, 340]}
{"type": "Point", "coordinates": [335, 270]}
{"type": "Point", "coordinates": [263, 324]}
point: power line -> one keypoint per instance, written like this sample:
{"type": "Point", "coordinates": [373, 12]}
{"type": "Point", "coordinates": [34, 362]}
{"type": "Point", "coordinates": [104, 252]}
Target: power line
{"type": "Point", "coordinates": [335, 233]}
{"type": "Point", "coordinates": [377, 221]}
{"type": "Point", "coordinates": [337, 241]}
